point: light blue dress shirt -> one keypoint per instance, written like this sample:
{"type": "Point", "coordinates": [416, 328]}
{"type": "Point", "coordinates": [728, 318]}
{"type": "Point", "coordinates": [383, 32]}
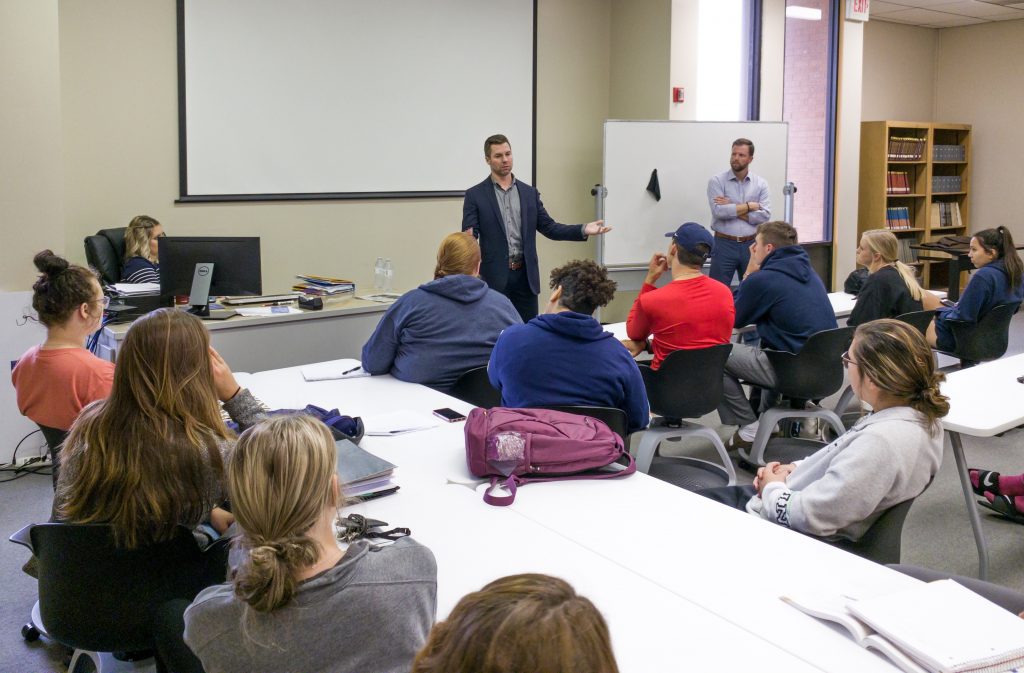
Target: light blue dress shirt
{"type": "Point", "coordinates": [751, 188]}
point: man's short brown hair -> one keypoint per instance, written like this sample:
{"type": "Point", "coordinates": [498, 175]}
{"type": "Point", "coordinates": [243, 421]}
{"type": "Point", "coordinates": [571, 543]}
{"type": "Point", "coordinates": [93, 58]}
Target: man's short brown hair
{"type": "Point", "coordinates": [496, 139]}
{"type": "Point", "coordinates": [744, 141]}
{"type": "Point", "coordinates": [778, 233]}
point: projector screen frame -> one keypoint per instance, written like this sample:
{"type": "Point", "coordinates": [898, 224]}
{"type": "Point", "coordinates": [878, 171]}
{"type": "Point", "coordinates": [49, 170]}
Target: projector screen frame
{"type": "Point", "coordinates": [185, 197]}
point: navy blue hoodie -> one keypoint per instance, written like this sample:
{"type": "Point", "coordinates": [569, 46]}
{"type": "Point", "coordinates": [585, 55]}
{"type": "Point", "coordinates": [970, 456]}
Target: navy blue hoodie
{"type": "Point", "coordinates": [436, 332]}
{"type": "Point", "coordinates": [989, 287]}
{"type": "Point", "coordinates": [567, 359]}
{"type": "Point", "coordinates": [785, 299]}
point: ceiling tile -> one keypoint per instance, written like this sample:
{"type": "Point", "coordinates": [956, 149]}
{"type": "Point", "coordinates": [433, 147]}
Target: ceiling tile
{"type": "Point", "coordinates": [981, 10]}
{"type": "Point", "coordinates": [952, 21]}
{"type": "Point", "coordinates": [880, 8]}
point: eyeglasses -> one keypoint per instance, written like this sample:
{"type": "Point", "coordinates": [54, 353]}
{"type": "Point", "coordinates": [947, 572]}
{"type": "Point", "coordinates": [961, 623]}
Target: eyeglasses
{"type": "Point", "coordinates": [845, 357]}
{"type": "Point", "coordinates": [105, 300]}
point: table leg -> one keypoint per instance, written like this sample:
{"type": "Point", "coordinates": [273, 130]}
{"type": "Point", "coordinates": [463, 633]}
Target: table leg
{"type": "Point", "coordinates": [972, 507]}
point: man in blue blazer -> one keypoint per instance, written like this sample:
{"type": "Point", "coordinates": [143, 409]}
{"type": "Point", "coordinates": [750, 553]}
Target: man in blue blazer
{"type": "Point", "coordinates": [505, 214]}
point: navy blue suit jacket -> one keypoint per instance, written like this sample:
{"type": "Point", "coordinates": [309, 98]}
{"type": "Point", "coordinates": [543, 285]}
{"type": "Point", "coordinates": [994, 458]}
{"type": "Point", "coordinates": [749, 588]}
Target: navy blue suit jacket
{"type": "Point", "coordinates": [480, 212]}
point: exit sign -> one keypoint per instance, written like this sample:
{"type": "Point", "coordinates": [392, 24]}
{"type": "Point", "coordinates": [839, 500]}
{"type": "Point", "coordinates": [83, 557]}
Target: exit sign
{"type": "Point", "coordinates": [857, 10]}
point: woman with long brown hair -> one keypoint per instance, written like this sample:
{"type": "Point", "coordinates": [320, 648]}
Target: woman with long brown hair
{"type": "Point", "coordinates": [298, 601]}
{"type": "Point", "coordinates": [443, 328]}
{"type": "Point", "coordinates": [998, 280]}
{"type": "Point", "coordinates": [151, 456]}
{"type": "Point", "coordinates": [520, 623]}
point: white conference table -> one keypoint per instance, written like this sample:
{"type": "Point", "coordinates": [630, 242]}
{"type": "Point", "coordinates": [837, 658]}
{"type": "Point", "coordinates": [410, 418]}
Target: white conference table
{"type": "Point", "coordinates": [984, 401]}
{"type": "Point", "coordinates": [685, 583]}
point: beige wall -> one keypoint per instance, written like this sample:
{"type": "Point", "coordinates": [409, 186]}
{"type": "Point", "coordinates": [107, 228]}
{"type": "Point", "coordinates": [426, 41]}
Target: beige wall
{"type": "Point", "coordinates": [980, 83]}
{"type": "Point", "coordinates": [119, 103]}
{"type": "Point", "coordinates": [31, 197]}
{"type": "Point", "coordinates": [773, 55]}
{"type": "Point", "coordinates": [847, 175]}
{"type": "Point", "coordinates": [899, 72]}
{"type": "Point", "coordinates": [640, 44]}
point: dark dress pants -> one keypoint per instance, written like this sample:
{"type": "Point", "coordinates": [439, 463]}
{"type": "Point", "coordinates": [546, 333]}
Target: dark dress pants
{"type": "Point", "coordinates": [517, 289]}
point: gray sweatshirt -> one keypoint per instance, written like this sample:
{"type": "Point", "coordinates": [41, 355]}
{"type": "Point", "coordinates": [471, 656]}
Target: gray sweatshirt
{"type": "Point", "coordinates": [843, 488]}
{"type": "Point", "coordinates": [370, 612]}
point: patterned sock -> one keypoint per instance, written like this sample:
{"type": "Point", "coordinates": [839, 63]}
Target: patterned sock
{"type": "Point", "coordinates": [1012, 485]}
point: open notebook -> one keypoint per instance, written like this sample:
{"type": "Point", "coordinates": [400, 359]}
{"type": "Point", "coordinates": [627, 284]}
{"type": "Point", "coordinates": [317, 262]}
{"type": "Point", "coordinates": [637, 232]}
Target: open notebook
{"type": "Point", "coordinates": [937, 627]}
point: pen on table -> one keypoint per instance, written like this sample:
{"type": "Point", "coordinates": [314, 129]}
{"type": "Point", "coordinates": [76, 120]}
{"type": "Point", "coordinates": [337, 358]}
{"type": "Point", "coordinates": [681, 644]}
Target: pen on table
{"type": "Point", "coordinates": [349, 371]}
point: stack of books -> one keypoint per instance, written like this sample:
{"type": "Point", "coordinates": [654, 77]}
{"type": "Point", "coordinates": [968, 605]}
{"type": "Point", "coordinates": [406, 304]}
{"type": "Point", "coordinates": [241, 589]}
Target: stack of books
{"type": "Point", "coordinates": [946, 183]}
{"type": "Point", "coordinates": [897, 182]}
{"type": "Point", "coordinates": [946, 214]}
{"type": "Point", "coordinates": [897, 217]}
{"type": "Point", "coordinates": [363, 474]}
{"type": "Point", "coordinates": [906, 148]}
{"type": "Point", "coordinates": [323, 286]}
{"type": "Point", "coordinates": [949, 153]}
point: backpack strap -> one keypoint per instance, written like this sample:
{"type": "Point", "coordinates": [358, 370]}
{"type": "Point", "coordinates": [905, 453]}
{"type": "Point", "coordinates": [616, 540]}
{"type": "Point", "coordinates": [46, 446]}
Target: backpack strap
{"type": "Point", "coordinates": [501, 500]}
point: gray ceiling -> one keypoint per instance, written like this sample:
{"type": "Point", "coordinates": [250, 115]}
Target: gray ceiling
{"type": "Point", "coordinates": [946, 13]}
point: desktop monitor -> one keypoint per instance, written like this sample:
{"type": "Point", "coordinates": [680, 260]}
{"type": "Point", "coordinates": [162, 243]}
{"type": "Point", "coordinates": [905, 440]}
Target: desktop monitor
{"type": "Point", "coordinates": [235, 259]}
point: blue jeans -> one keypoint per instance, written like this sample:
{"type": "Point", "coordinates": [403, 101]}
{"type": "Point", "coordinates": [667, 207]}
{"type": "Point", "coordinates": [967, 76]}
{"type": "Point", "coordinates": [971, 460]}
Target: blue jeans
{"type": "Point", "coordinates": [730, 257]}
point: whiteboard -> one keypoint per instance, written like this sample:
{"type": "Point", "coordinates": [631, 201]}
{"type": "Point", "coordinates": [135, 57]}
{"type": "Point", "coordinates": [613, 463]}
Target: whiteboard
{"type": "Point", "coordinates": [350, 98]}
{"type": "Point", "coordinates": [686, 155]}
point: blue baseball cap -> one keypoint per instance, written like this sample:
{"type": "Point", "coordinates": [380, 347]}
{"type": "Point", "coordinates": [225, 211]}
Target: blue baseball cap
{"type": "Point", "coordinates": [688, 235]}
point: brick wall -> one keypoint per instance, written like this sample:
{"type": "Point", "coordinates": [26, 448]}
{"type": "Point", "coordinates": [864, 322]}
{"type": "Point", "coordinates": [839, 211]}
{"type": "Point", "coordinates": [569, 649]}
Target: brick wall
{"type": "Point", "coordinates": [805, 87]}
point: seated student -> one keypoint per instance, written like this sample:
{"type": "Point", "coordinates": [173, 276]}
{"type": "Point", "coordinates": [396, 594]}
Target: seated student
{"type": "Point", "coordinates": [520, 623]}
{"type": "Point", "coordinates": [150, 457]}
{"type": "Point", "coordinates": [783, 296]}
{"type": "Point", "coordinates": [891, 288]}
{"type": "Point", "coordinates": [883, 460]}
{"type": "Point", "coordinates": [299, 601]}
{"type": "Point", "coordinates": [55, 380]}
{"type": "Point", "coordinates": [693, 311]}
{"type": "Point", "coordinates": [564, 357]}
{"type": "Point", "coordinates": [1005, 493]}
{"type": "Point", "coordinates": [443, 328]}
{"type": "Point", "coordinates": [997, 281]}
{"type": "Point", "coordinates": [141, 263]}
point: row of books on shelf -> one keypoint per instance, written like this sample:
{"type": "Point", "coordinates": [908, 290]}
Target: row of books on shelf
{"type": "Point", "coordinates": [946, 214]}
{"type": "Point", "coordinates": [324, 286]}
{"type": "Point", "coordinates": [949, 153]}
{"type": "Point", "coordinates": [897, 182]}
{"type": "Point", "coordinates": [898, 217]}
{"type": "Point", "coordinates": [906, 148]}
{"type": "Point", "coordinates": [907, 254]}
{"type": "Point", "coordinates": [947, 183]}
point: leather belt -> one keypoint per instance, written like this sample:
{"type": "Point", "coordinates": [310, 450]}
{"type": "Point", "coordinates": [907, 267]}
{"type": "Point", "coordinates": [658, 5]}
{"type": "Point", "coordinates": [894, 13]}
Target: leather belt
{"type": "Point", "coordinates": [738, 239]}
{"type": "Point", "coordinates": [515, 263]}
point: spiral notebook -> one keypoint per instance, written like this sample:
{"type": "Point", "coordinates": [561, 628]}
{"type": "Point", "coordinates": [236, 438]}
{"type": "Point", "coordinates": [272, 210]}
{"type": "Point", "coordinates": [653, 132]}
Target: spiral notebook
{"type": "Point", "coordinates": [947, 628]}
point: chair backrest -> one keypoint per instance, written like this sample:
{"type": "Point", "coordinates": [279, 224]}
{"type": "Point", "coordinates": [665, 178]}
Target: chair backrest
{"type": "Point", "coordinates": [105, 253]}
{"type": "Point", "coordinates": [96, 596]}
{"type": "Point", "coordinates": [986, 340]}
{"type": "Point", "coordinates": [817, 370]}
{"type": "Point", "coordinates": [474, 387]}
{"type": "Point", "coordinates": [918, 319]}
{"type": "Point", "coordinates": [689, 382]}
{"type": "Point", "coordinates": [882, 542]}
{"type": "Point", "coordinates": [613, 417]}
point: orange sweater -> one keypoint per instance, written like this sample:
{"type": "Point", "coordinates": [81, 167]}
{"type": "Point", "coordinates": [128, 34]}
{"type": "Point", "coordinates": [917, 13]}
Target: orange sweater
{"type": "Point", "coordinates": [54, 384]}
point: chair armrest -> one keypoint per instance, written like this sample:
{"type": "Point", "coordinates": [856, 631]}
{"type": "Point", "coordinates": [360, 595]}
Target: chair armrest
{"type": "Point", "coordinates": [23, 537]}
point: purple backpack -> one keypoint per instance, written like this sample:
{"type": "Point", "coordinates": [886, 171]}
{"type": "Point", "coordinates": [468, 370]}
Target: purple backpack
{"type": "Point", "coordinates": [524, 445]}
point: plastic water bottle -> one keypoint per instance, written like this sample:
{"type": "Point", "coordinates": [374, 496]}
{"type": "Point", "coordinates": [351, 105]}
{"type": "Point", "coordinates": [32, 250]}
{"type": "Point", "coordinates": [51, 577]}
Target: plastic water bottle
{"type": "Point", "coordinates": [378, 274]}
{"type": "Point", "coordinates": [389, 275]}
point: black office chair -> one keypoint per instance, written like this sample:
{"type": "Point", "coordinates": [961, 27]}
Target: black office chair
{"type": "Point", "coordinates": [54, 441]}
{"type": "Point", "coordinates": [614, 418]}
{"type": "Point", "coordinates": [687, 385]}
{"type": "Point", "coordinates": [474, 387]}
{"type": "Point", "coordinates": [985, 340]}
{"type": "Point", "coordinates": [883, 541]}
{"type": "Point", "coordinates": [808, 376]}
{"type": "Point", "coordinates": [98, 598]}
{"type": "Point", "coordinates": [105, 253]}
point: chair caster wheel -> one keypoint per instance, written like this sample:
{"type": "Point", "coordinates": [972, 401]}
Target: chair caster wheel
{"type": "Point", "coordinates": [29, 633]}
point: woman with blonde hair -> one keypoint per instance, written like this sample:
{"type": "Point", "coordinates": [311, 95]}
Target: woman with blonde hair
{"type": "Point", "coordinates": [519, 623]}
{"type": "Point", "coordinates": [443, 328]}
{"type": "Point", "coordinates": [150, 457]}
{"type": "Point", "coordinates": [886, 458]}
{"type": "Point", "coordinates": [141, 260]}
{"type": "Point", "coordinates": [298, 601]}
{"type": "Point", "coordinates": [891, 288]}
{"type": "Point", "coordinates": [56, 379]}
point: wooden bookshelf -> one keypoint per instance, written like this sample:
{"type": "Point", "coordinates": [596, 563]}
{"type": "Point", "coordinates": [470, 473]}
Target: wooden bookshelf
{"type": "Point", "coordinates": [898, 173]}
